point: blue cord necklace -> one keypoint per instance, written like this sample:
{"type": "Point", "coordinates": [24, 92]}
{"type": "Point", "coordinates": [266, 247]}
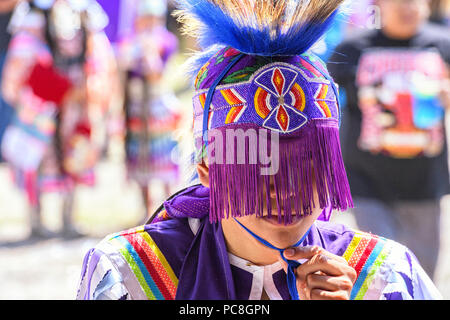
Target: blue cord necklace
{"type": "Point", "coordinates": [292, 264]}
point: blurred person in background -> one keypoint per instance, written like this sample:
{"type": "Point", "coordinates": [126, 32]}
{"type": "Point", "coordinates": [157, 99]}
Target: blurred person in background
{"type": "Point", "coordinates": [440, 12]}
{"type": "Point", "coordinates": [393, 138]}
{"type": "Point", "coordinates": [55, 76]}
{"type": "Point", "coordinates": [151, 114]}
{"type": "Point", "coordinates": [6, 11]}
{"type": "Point", "coordinates": [354, 16]}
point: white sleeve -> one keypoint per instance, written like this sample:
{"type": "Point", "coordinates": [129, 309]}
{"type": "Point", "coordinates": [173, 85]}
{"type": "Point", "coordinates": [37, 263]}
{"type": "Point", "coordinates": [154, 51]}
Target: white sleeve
{"type": "Point", "coordinates": [407, 279]}
{"type": "Point", "coordinates": [100, 279]}
{"type": "Point", "coordinates": [424, 288]}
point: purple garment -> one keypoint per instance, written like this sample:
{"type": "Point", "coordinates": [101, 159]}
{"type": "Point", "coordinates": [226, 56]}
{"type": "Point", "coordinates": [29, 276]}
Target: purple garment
{"type": "Point", "coordinates": [206, 254]}
{"type": "Point", "coordinates": [121, 15]}
{"type": "Point", "coordinates": [196, 251]}
{"type": "Point", "coordinates": [194, 202]}
{"type": "Point", "coordinates": [112, 9]}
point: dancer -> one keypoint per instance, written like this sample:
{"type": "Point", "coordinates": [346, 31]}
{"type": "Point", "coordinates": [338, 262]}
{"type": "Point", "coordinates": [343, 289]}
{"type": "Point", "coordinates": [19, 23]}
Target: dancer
{"type": "Point", "coordinates": [50, 145]}
{"type": "Point", "coordinates": [266, 127]}
{"type": "Point", "coordinates": [6, 111]}
{"type": "Point", "coordinates": [151, 109]}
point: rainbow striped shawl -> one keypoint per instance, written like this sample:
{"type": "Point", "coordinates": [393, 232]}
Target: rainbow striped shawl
{"type": "Point", "coordinates": [147, 262]}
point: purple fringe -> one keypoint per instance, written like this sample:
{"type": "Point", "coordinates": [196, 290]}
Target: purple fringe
{"type": "Point", "coordinates": [311, 155]}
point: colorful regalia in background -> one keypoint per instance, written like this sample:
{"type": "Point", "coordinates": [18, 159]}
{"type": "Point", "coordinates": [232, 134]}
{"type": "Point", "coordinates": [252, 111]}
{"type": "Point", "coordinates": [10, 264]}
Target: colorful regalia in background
{"type": "Point", "coordinates": [57, 77]}
{"type": "Point", "coordinates": [151, 113]}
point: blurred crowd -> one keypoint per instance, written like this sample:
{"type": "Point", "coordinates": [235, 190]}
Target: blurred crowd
{"type": "Point", "coordinates": [78, 74]}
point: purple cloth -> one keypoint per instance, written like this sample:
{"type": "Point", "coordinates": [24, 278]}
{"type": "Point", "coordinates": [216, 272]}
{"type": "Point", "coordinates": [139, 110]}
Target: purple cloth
{"type": "Point", "coordinates": [194, 202]}
{"type": "Point", "coordinates": [191, 203]}
{"type": "Point", "coordinates": [121, 16]}
{"type": "Point", "coordinates": [112, 9]}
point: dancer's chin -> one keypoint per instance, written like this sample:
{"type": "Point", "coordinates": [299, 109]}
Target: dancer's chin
{"type": "Point", "coordinates": [275, 221]}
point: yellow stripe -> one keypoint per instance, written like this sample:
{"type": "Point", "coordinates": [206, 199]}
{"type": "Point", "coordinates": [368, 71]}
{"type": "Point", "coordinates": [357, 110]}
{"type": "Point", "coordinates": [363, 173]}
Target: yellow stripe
{"type": "Point", "coordinates": [260, 112]}
{"type": "Point", "coordinates": [230, 115]}
{"type": "Point", "coordinates": [202, 99]}
{"type": "Point", "coordinates": [324, 93]}
{"type": "Point", "coordinates": [352, 247]}
{"type": "Point", "coordinates": [134, 267]}
{"type": "Point", "coordinates": [159, 255]}
{"type": "Point", "coordinates": [302, 93]}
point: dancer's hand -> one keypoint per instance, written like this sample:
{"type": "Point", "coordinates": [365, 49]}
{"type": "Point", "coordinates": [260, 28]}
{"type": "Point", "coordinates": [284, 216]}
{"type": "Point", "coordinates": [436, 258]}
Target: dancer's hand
{"type": "Point", "coordinates": [324, 276]}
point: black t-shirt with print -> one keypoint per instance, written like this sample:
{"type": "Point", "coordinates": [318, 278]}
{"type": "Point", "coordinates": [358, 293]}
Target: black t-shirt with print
{"type": "Point", "coordinates": [393, 132]}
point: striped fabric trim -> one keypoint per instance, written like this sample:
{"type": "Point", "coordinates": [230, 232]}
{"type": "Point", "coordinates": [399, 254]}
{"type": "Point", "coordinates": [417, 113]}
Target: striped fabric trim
{"type": "Point", "coordinates": [366, 253]}
{"type": "Point", "coordinates": [147, 262]}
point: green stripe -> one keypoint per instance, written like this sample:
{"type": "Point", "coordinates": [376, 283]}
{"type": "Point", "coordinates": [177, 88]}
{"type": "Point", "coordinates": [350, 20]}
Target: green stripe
{"type": "Point", "coordinates": [373, 270]}
{"type": "Point", "coordinates": [134, 267]}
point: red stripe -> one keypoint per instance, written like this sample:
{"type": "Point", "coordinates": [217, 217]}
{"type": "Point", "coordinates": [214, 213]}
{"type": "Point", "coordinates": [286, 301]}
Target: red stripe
{"type": "Point", "coordinates": [209, 119]}
{"type": "Point", "coordinates": [324, 106]}
{"type": "Point", "coordinates": [134, 240]}
{"type": "Point", "coordinates": [298, 97]}
{"type": "Point", "coordinates": [229, 94]}
{"type": "Point", "coordinates": [234, 112]}
{"type": "Point", "coordinates": [356, 254]}
{"type": "Point", "coordinates": [278, 81]}
{"type": "Point", "coordinates": [157, 266]}
{"type": "Point", "coordinates": [311, 69]}
{"type": "Point", "coordinates": [365, 255]}
{"type": "Point", "coordinates": [235, 98]}
{"type": "Point", "coordinates": [202, 99]}
{"type": "Point", "coordinates": [323, 92]}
